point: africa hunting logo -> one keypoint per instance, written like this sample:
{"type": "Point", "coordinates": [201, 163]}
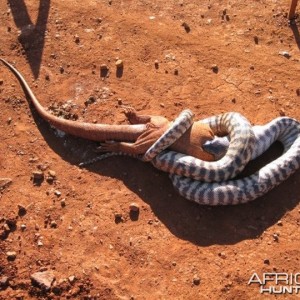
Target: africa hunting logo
{"type": "Point", "coordinates": [277, 283]}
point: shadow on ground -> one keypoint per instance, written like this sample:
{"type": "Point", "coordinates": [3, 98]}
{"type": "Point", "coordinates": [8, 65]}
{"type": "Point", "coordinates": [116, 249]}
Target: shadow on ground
{"type": "Point", "coordinates": [32, 36]}
{"type": "Point", "coordinates": [201, 225]}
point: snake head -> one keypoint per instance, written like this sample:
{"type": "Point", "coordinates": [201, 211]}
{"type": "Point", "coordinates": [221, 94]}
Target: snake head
{"type": "Point", "coordinates": [217, 147]}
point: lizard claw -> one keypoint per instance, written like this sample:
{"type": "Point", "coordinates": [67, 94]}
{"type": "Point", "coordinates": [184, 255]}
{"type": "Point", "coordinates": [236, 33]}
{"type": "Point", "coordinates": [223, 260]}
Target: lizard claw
{"type": "Point", "coordinates": [107, 146]}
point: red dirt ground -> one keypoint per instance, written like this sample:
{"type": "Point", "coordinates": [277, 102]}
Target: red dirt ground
{"type": "Point", "coordinates": [59, 48]}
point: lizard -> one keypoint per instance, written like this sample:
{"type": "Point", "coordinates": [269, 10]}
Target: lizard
{"type": "Point", "coordinates": [134, 138]}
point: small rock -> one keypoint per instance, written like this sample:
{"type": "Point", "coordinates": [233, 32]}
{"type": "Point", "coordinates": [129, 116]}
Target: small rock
{"type": "Point", "coordinates": [53, 224]}
{"type": "Point", "coordinates": [118, 218]}
{"type": "Point", "coordinates": [38, 175]}
{"type": "Point", "coordinates": [279, 223]}
{"type": "Point", "coordinates": [256, 40]}
{"type": "Point", "coordinates": [1, 81]}
{"type": "Point", "coordinates": [104, 67]}
{"type": "Point", "coordinates": [4, 183]}
{"type": "Point", "coordinates": [222, 255]}
{"type": "Point", "coordinates": [11, 255]}
{"type": "Point", "coordinates": [176, 72]}
{"type": "Point", "coordinates": [186, 27]}
{"type": "Point", "coordinates": [196, 280]}
{"type": "Point", "coordinates": [22, 210]}
{"type": "Point", "coordinates": [47, 77]}
{"type": "Point", "coordinates": [282, 112]}
{"type": "Point", "coordinates": [134, 206]}
{"type": "Point", "coordinates": [266, 261]}
{"type": "Point", "coordinates": [9, 120]}
{"type": "Point", "coordinates": [23, 227]}
{"type": "Point", "coordinates": [276, 237]}
{"type": "Point", "coordinates": [156, 64]}
{"type": "Point", "coordinates": [6, 227]}
{"type": "Point", "coordinates": [43, 279]}
{"type": "Point", "coordinates": [61, 69]}
{"type": "Point", "coordinates": [215, 68]}
{"type": "Point", "coordinates": [119, 63]}
{"type": "Point", "coordinates": [76, 39]}
{"type": "Point", "coordinates": [4, 281]}
{"type": "Point", "coordinates": [72, 279]}
{"type": "Point", "coordinates": [120, 101]}
{"type": "Point", "coordinates": [40, 243]}
{"type": "Point", "coordinates": [63, 202]}
{"type": "Point", "coordinates": [161, 104]}
{"type": "Point", "coordinates": [298, 92]}
{"type": "Point", "coordinates": [285, 54]}
{"type": "Point", "coordinates": [57, 193]}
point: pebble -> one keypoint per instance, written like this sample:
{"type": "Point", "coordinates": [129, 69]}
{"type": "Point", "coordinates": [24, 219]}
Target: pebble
{"type": "Point", "coordinates": [22, 210]}
{"type": "Point", "coordinates": [186, 27]}
{"type": "Point", "coordinates": [119, 63]}
{"type": "Point", "coordinates": [282, 112]}
{"type": "Point", "coordinates": [71, 279]}
{"type": "Point", "coordinates": [196, 280]}
{"type": "Point", "coordinates": [222, 255]}
{"type": "Point", "coordinates": [9, 120]}
{"type": "Point", "coordinates": [118, 217]}
{"type": "Point", "coordinates": [63, 202]}
{"type": "Point", "coordinates": [77, 39]}
{"type": "Point", "coordinates": [279, 223]}
{"type": "Point", "coordinates": [266, 261]}
{"type": "Point", "coordinates": [11, 255]}
{"type": "Point", "coordinates": [43, 279]}
{"type": "Point", "coordinates": [215, 68]}
{"type": "Point", "coordinates": [6, 227]}
{"type": "Point", "coordinates": [1, 81]}
{"type": "Point", "coordinates": [23, 227]}
{"type": "Point", "coordinates": [285, 54]}
{"type": "Point", "coordinates": [57, 193]}
{"type": "Point", "coordinates": [276, 237]}
{"type": "Point", "coordinates": [4, 281]}
{"type": "Point", "coordinates": [104, 67]}
{"type": "Point", "coordinates": [53, 224]}
{"type": "Point", "coordinates": [134, 207]}
{"type": "Point", "coordinates": [156, 63]}
{"type": "Point", "coordinates": [37, 175]}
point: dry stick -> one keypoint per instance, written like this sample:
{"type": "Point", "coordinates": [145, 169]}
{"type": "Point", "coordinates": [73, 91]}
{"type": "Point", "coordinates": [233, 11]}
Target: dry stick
{"type": "Point", "coordinates": [292, 9]}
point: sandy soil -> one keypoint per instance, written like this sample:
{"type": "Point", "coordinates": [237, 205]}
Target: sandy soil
{"type": "Point", "coordinates": [226, 58]}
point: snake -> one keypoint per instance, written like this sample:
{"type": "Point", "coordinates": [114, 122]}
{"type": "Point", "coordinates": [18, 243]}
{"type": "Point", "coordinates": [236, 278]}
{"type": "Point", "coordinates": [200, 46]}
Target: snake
{"type": "Point", "coordinates": [214, 183]}
{"type": "Point", "coordinates": [212, 189]}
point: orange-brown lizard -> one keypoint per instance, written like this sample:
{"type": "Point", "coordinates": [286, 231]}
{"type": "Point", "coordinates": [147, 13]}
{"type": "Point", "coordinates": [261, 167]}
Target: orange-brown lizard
{"type": "Point", "coordinates": [130, 139]}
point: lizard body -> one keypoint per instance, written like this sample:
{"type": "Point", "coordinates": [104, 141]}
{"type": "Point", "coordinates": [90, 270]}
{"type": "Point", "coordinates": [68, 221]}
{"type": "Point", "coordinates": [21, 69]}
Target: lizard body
{"type": "Point", "coordinates": [135, 138]}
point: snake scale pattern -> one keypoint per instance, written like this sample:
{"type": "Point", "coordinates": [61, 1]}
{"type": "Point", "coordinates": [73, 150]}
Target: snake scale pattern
{"type": "Point", "coordinates": [211, 183]}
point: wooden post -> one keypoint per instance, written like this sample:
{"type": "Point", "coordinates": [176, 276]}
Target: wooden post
{"type": "Point", "coordinates": [293, 9]}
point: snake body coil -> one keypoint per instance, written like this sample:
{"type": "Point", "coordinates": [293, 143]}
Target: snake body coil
{"type": "Point", "coordinates": [185, 171]}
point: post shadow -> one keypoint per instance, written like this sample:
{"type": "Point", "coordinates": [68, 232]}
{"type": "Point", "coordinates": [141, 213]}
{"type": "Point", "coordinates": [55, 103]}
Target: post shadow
{"type": "Point", "coordinates": [32, 36]}
{"type": "Point", "coordinates": [295, 30]}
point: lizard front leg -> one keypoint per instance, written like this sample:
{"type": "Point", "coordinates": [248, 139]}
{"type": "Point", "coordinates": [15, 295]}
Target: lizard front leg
{"type": "Point", "coordinates": [111, 146]}
{"type": "Point", "coordinates": [134, 118]}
